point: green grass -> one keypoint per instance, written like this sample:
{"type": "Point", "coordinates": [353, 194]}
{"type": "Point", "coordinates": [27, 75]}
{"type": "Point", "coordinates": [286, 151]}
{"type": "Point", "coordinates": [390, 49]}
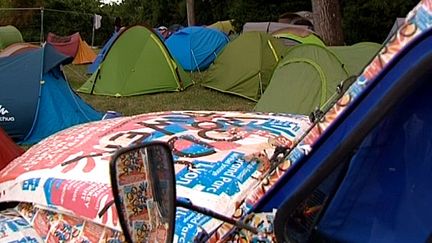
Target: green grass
{"type": "Point", "coordinates": [195, 97]}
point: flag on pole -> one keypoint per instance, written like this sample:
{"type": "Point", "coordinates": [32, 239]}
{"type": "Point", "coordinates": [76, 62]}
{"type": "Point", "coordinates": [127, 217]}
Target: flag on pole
{"type": "Point", "coordinates": [97, 21]}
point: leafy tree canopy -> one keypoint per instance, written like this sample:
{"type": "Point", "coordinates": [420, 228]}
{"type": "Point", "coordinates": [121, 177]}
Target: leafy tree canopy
{"type": "Point", "coordinates": [363, 20]}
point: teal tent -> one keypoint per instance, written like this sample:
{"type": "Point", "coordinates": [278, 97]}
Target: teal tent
{"type": "Point", "coordinates": [36, 100]}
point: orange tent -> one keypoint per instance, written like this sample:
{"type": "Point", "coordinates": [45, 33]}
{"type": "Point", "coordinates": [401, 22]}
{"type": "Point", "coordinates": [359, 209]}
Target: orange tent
{"type": "Point", "coordinates": [73, 46]}
{"type": "Point", "coordinates": [84, 54]}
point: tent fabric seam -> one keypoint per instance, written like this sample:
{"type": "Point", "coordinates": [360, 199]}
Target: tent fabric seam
{"type": "Point", "coordinates": [324, 48]}
{"type": "Point", "coordinates": [168, 59]}
{"type": "Point", "coordinates": [322, 75]}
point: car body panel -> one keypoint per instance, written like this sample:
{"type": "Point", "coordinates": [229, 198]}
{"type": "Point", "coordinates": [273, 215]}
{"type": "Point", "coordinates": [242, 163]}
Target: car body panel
{"type": "Point", "coordinates": [220, 157]}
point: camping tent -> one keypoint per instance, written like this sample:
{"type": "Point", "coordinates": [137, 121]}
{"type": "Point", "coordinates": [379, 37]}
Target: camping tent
{"type": "Point", "coordinates": [84, 54]}
{"type": "Point", "coordinates": [224, 26]}
{"type": "Point", "coordinates": [267, 27]}
{"type": "Point", "coordinates": [304, 79]}
{"type": "Point", "coordinates": [9, 35]}
{"type": "Point", "coordinates": [67, 45]}
{"type": "Point", "coordinates": [101, 55]}
{"type": "Point", "coordinates": [36, 100]}
{"type": "Point", "coordinates": [17, 48]}
{"type": "Point", "coordinates": [137, 63]}
{"type": "Point", "coordinates": [8, 149]}
{"type": "Point", "coordinates": [305, 17]}
{"type": "Point", "coordinates": [73, 46]}
{"type": "Point", "coordinates": [309, 74]}
{"type": "Point", "coordinates": [296, 34]}
{"type": "Point", "coordinates": [245, 66]}
{"type": "Point", "coordinates": [355, 57]}
{"type": "Point", "coordinates": [195, 48]}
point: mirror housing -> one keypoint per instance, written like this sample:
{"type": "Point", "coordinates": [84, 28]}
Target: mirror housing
{"type": "Point", "coordinates": [143, 184]}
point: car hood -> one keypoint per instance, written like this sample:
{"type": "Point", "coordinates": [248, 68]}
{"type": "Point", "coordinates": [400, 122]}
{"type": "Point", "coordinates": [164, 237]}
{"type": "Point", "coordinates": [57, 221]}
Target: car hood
{"type": "Point", "coordinates": [219, 158]}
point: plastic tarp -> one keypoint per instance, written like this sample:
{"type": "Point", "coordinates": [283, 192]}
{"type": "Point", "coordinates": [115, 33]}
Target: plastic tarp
{"type": "Point", "coordinates": [9, 35]}
{"type": "Point", "coordinates": [245, 66]}
{"type": "Point", "coordinates": [137, 63]}
{"type": "Point", "coordinates": [195, 48]}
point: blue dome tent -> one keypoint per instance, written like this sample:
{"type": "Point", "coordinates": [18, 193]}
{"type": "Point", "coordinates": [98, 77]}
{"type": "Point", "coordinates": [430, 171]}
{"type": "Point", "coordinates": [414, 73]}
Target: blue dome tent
{"type": "Point", "coordinates": [195, 48]}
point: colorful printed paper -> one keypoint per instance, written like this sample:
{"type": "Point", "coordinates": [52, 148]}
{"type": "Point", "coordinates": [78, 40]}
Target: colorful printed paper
{"type": "Point", "coordinates": [220, 157]}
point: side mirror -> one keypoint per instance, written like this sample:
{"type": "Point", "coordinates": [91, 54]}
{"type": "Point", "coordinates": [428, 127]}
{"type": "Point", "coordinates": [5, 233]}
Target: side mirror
{"type": "Point", "coordinates": [143, 184]}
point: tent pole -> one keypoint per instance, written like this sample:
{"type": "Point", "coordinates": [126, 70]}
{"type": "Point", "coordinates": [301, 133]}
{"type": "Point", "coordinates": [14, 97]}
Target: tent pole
{"type": "Point", "coordinates": [93, 34]}
{"type": "Point", "coordinates": [41, 38]}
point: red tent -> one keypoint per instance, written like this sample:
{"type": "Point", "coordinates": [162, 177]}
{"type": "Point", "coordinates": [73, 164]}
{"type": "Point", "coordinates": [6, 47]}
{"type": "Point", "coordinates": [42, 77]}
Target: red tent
{"type": "Point", "coordinates": [67, 45]}
{"type": "Point", "coordinates": [8, 149]}
{"type": "Point", "coordinates": [73, 46]}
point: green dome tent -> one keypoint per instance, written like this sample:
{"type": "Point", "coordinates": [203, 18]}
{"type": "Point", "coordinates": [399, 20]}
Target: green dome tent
{"type": "Point", "coordinates": [224, 26]}
{"type": "Point", "coordinates": [356, 57]}
{"type": "Point", "coordinates": [9, 35]}
{"type": "Point", "coordinates": [245, 66]}
{"type": "Point", "coordinates": [303, 80]}
{"type": "Point", "coordinates": [307, 77]}
{"type": "Point", "coordinates": [137, 63]}
{"type": "Point", "coordinates": [298, 35]}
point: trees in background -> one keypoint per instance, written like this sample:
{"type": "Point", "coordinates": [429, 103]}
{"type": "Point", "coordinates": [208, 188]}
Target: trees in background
{"type": "Point", "coordinates": [328, 21]}
{"type": "Point", "coordinates": [371, 20]}
{"type": "Point", "coordinates": [243, 11]}
{"type": "Point", "coordinates": [190, 11]}
{"type": "Point", "coordinates": [73, 16]}
{"type": "Point", "coordinates": [362, 20]}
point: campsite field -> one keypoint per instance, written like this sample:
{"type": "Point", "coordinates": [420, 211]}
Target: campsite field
{"type": "Point", "coordinates": [195, 97]}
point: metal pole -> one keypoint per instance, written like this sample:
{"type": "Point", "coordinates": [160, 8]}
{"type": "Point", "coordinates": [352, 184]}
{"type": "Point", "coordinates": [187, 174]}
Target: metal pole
{"type": "Point", "coordinates": [93, 34]}
{"type": "Point", "coordinates": [41, 38]}
{"type": "Point", "coordinates": [14, 9]}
